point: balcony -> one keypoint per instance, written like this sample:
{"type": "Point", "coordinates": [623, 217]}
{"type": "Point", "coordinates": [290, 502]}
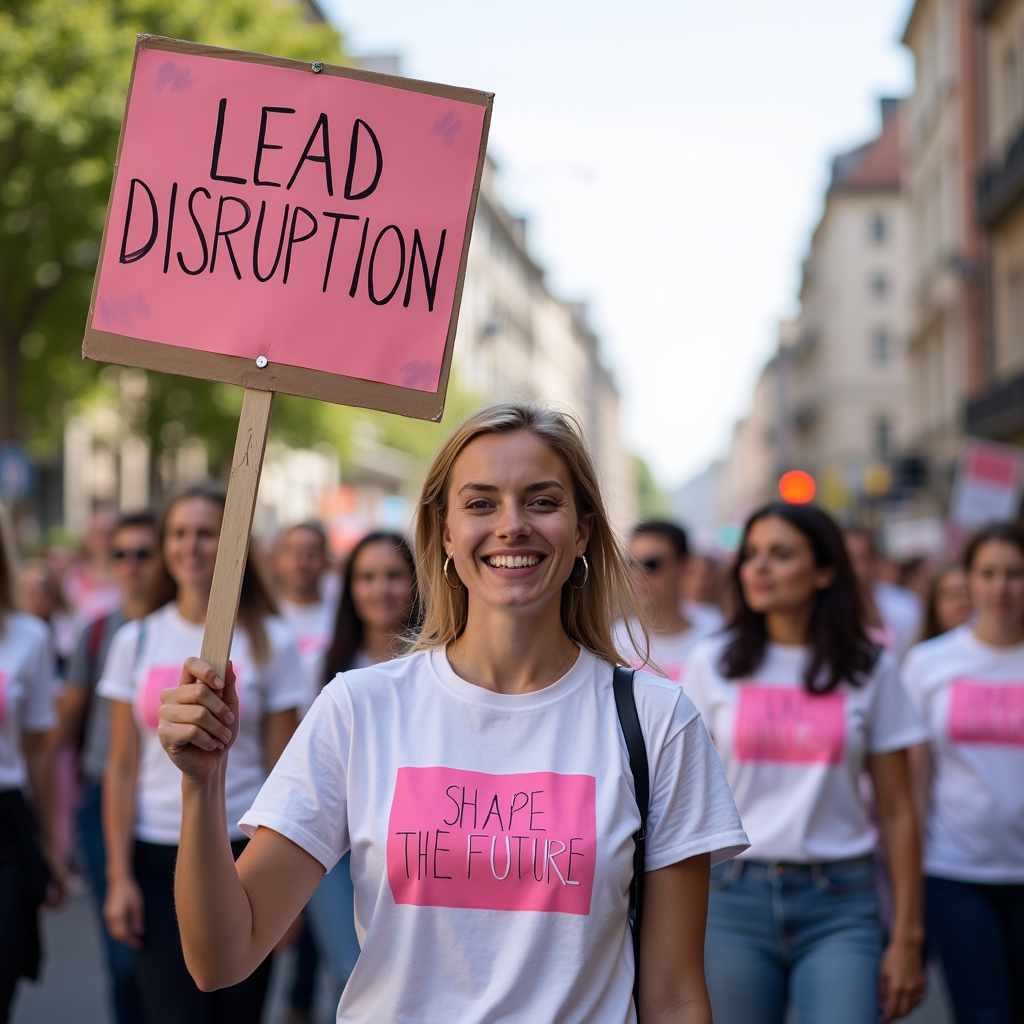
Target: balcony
{"type": "Point", "coordinates": [998, 411]}
{"type": "Point", "coordinates": [1000, 185]}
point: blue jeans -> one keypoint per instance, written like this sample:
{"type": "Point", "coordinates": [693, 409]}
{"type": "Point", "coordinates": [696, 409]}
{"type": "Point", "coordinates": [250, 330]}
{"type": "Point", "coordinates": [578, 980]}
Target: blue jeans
{"type": "Point", "coordinates": [120, 958]}
{"type": "Point", "coordinates": [808, 934]}
{"type": "Point", "coordinates": [978, 932]}
{"type": "Point", "coordinates": [331, 916]}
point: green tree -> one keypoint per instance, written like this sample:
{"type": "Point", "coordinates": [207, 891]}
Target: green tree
{"type": "Point", "coordinates": [651, 501]}
{"type": "Point", "coordinates": [64, 67]}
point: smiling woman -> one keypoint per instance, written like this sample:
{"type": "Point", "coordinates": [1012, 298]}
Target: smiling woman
{"type": "Point", "coordinates": [482, 782]}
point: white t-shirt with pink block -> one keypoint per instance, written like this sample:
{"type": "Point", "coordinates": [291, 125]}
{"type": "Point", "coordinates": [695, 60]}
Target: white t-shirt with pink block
{"type": "Point", "coordinates": [670, 653]}
{"type": "Point", "coordinates": [491, 834]}
{"type": "Point", "coordinates": [972, 697]}
{"type": "Point", "coordinates": [145, 658]}
{"type": "Point", "coordinates": [313, 628]}
{"type": "Point", "coordinates": [27, 685]}
{"type": "Point", "coordinates": [794, 759]}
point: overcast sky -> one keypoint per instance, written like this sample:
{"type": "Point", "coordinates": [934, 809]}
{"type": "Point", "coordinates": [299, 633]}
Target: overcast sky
{"type": "Point", "coordinates": [671, 158]}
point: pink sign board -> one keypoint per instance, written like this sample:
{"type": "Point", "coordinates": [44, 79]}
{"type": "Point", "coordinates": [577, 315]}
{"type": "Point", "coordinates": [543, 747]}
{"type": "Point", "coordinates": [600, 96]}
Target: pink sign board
{"type": "Point", "coordinates": [289, 227]}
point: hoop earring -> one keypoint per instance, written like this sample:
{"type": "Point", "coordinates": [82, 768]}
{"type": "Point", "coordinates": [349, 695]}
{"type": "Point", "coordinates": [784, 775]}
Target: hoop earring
{"type": "Point", "coordinates": [586, 574]}
{"type": "Point", "coordinates": [447, 579]}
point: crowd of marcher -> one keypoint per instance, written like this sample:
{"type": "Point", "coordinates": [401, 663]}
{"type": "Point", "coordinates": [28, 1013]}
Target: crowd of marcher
{"type": "Point", "coordinates": [833, 766]}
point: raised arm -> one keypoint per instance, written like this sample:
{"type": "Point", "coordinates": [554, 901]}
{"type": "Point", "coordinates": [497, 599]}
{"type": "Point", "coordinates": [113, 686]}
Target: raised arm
{"type": "Point", "coordinates": [672, 986]}
{"type": "Point", "coordinates": [230, 915]}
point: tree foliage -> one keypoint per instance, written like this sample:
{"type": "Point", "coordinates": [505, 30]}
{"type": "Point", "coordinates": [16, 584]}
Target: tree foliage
{"type": "Point", "coordinates": [64, 67]}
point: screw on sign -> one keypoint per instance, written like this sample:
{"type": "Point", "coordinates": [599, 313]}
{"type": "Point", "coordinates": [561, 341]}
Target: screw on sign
{"type": "Point", "coordinates": [797, 487]}
{"type": "Point", "coordinates": [17, 474]}
{"type": "Point", "coordinates": [286, 226]}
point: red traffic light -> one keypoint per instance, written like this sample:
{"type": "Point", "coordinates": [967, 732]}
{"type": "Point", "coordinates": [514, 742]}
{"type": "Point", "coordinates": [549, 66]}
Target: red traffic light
{"type": "Point", "coordinates": [797, 487]}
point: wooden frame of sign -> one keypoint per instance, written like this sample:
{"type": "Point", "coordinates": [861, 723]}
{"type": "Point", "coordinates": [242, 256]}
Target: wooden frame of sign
{"type": "Point", "coordinates": [263, 381]}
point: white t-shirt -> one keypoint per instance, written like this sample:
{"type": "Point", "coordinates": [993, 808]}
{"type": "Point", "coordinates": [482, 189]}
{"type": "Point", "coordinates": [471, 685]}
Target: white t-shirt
{"type": "Point", "coordinates": [701, 613]}
{"type": "Point", "coordinates": [491, 834]}
{"type": "Point", "coordinates": [670, 653]}
{"type": "Point", "coordinates": [27, 685]}
{"type": "Point", "coordinates": [313, 628]}
{"type": "Point", "coordinates": [794, 759]}
{"type": "Point", "coordinates": [972, 698]}
{"type": "Point", "coordinates": [901, 613]}
{"type": "Point", "coordinates": [136, 674]}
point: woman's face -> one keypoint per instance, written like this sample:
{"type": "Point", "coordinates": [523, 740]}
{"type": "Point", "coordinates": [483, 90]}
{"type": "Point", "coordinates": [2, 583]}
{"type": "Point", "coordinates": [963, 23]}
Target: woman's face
{"type": "Point", "coordinates": [382, 587]}
{"type": "Point", "coordinates": [777, 570]}
{"type": "Point", "coordinates": [952, 600]}
{"type": "Point", "coordinates": [512, 527]}
{"type": "Point", "coordinates": [996, 583]}
{"type": "Point", "coordinates": [36, 592]}
{"type": "Point", "coordinates": [190, 544]}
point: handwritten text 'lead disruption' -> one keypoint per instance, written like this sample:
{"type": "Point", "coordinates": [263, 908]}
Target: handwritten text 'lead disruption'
{"type": "Point", "coordinates": [219, 225]}
{"type": "Point", "coordinates": [492, 842]}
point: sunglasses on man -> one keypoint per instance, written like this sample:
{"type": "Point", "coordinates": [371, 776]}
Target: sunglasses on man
{"type": "Point", "coordinates": [648, 564]}
{"type": "Point", "coordinates": [132, 554]}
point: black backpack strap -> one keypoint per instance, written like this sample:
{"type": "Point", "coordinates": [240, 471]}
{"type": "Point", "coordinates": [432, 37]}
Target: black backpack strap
{"type": "Point", "coordinates": [629, 720]}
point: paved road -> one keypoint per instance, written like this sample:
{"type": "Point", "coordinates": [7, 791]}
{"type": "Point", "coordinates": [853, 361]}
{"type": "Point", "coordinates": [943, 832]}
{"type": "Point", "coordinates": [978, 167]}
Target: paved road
{"type": "Point", "coordinates": [71, 990]}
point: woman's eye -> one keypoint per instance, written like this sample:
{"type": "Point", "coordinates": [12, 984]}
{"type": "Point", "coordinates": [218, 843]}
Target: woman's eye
{"type": "Point", "coordinates": [478, 503]}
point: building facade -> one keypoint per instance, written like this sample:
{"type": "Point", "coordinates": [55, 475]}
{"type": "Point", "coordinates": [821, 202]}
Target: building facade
{"type": "Point", "coordinates": [946, 268]}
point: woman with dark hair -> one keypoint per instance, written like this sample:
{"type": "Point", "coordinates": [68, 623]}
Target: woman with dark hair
{"type": "Point", "coordinates": [947, 603]}
{"type": "Point", "coordinates": [969, 684]}
{"type": "Point", "coordinates": [800, 702]}
{"type": "Point", "coordinates": [142, 803]}
{"type": "Point", "coordinates": [375, 620]}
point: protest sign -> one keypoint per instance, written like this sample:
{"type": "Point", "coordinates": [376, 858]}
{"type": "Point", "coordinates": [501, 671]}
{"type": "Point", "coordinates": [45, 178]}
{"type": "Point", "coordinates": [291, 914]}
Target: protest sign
{"type": "Point", "coordinates": [286, 227]}
{"type": "Point", "coordinates": [988, 485]}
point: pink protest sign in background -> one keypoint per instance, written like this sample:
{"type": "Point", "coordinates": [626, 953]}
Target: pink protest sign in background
{"type": "Point", "coordinates": [260, 209]}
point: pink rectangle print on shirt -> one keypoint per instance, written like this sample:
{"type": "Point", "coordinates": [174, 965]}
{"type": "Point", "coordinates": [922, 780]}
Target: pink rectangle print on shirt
{"type": "Point", "coordinates": [981, 712]}
{"type": "Point", "coordinates": [493, 842]}
{"type": "Point", "coordinates": [781, 723]}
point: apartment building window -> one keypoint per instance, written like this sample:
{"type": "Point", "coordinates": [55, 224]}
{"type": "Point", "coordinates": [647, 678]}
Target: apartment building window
{"type": "Point", "coordinates": [879, 228]}
{"type": "Point", "coordinates": [882, 438]}
{"type": "Point", "coordinates": [880, 286]}
{"type": "Point", "coordinates": [880, 345]}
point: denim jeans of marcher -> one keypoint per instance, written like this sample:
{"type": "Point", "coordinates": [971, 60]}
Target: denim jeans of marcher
{"type": "Point", "coordinates": [331, 915]}
{"type": "Point", "coordinates": [806, 934]}
{"type": "Point", "coordinates": [124, 987]}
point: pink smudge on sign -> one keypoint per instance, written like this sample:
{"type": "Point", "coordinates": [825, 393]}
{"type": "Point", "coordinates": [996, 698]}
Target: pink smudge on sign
{"type": "Point", "coordinates": [267, 211]}
{"type": "Point", "coordinates": [984, 712]}
{"type": "Point", "coordinates": [781, 723]}
{"type": "Point", "coordinates": [493, 842]}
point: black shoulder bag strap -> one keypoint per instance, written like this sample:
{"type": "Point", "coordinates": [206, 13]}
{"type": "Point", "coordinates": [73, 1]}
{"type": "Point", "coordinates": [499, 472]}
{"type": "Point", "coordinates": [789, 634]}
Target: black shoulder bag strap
{"type": "Point", "coordinates": [625, 704]}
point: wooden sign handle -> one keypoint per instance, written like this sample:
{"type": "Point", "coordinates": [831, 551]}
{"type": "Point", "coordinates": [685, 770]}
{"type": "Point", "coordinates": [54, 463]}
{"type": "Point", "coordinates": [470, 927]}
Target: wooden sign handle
{"type": "Point", "coordinates": [246, 465]}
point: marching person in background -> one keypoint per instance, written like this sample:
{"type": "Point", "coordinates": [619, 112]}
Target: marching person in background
{"type": "Point", "coordinates": [40, 595]}
{"type": "Point", "coordinates": [90, 584]}
{"type": "Point", "coordinates": [300, 562]}
{"type": "Point", "coordinates": [969, 683]}
{"type": "Point", "coordinates": [142, 786]}
{"type": "Point", "coordinates": [29, 863]}
{"type": "Point", "coordinates": [893, 612]}
{"type": "Point", "coordinates": [800, 702]}
{"type": "Point", "coordinates": [376, 615]}
{"type": "Point", "coordinates": [947, 602]}
{"type": "Point", "coordinates": [85, 716]}
{"type": "Point", "coordinates": [501, 724]}
{"type": "Point", "coordinates": [701, 592]}
{"type": "Point", "coordinates": [659, 554]}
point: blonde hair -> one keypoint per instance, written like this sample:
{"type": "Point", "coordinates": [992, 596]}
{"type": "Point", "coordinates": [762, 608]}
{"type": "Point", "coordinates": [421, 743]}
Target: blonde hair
{"type": "Point", "coordinates": [588, 613]}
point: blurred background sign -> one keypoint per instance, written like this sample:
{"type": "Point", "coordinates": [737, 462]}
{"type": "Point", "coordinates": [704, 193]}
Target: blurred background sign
{"type": "Point", "coordinates": [988, 483]}
{"type": "Point", "coordinates": [17, 474]}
